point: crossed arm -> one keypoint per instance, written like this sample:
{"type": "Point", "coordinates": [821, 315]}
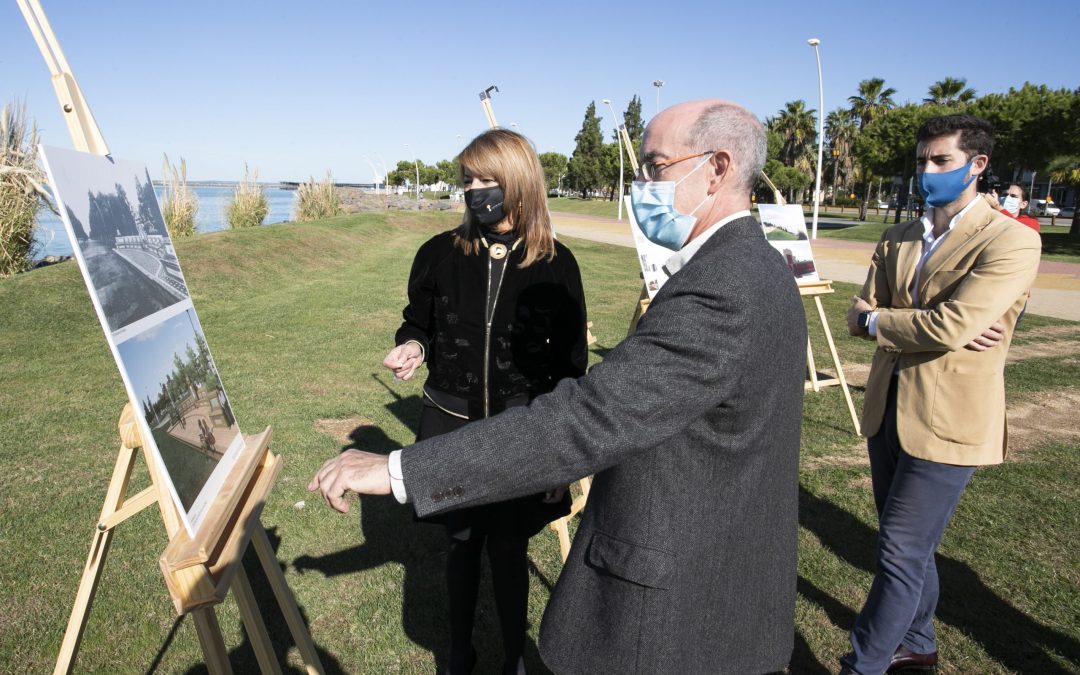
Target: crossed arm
{"type": "Point", "coordinates": [969, 318]}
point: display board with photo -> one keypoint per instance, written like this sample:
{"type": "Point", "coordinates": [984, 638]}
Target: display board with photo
{"type": "Point", "coordinates": [118, 234]}
{"type": "Point", "coordinates": [785, 228]}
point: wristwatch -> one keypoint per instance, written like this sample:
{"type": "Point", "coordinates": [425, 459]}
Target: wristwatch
{"type": "Point", "coordinates": [864, 320]}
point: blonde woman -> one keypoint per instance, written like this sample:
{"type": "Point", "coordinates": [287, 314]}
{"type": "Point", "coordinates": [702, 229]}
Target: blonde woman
{"type": "Point", "coordinates": [496, 310]}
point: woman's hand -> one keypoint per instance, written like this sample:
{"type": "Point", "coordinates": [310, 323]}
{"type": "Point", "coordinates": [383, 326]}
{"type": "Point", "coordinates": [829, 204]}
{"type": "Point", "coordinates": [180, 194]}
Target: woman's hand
{"type": "Point", "coordinates": [404, 360]}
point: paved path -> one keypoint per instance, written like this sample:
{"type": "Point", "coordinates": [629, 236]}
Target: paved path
{"type": "Point", "coordinates": [1056, 292]}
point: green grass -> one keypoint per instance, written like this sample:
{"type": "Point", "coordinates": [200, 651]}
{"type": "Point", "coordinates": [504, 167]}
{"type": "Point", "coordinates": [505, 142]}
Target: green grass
{"type": "Point", "coordinates": [1059, 246]}
{"type": "Point", "coordinates": [588, 207]}
{"type": "Point", "coordinates": [298, 318]}
{"type": "Point", "coordinates": [868, 231]}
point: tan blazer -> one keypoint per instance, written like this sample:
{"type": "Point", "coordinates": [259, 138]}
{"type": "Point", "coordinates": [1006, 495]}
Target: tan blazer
{"type": "Point", "coordinates": [950, 402]}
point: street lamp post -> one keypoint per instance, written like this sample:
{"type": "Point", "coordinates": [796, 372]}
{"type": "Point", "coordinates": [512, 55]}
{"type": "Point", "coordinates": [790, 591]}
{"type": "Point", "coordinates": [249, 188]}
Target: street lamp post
{"type": "Point", "coordinates": [374, 171]}
{"type": "Point", "coordinates": [417, 166]}
{"type": "Point", "coordinates": [658, 84]}
{"type": "Point", "coordinates": [814, 42]}
{"type": "Point", "coordinates": [835, 167]}
{"type": "Point", "coordinates": [385, 173]}
{"type": "Point", "coordinates": [618, 137]}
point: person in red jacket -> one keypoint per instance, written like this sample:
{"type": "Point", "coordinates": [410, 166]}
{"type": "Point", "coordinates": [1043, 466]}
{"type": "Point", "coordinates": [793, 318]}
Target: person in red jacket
{"type": "Point", "coordinates": [1013, 203]}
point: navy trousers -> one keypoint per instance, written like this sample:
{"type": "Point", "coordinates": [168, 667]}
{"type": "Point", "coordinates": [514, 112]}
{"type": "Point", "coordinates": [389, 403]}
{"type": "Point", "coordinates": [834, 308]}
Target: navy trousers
{"type": "Point", "coordinates": [915, 499]}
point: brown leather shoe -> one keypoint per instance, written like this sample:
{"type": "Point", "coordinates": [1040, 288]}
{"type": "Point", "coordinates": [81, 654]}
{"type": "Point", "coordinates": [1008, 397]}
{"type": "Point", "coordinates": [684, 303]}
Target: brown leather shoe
{"type": "Point", "coordinates": [905, 661]}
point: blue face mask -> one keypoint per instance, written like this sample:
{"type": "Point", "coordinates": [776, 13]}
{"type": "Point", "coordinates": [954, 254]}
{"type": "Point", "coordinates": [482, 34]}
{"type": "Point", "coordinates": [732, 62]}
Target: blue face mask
{"type": "Point", "coordinates": [1011, 204]}
{"type": "Point", "coordinates": [654, 210]}
{"type": "Point", "coordinates": [939, 189]}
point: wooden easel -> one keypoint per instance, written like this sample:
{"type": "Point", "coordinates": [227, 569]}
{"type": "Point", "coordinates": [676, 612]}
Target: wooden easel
{"type": "Point", "coordinates": [199, 571]}
{"type": "Point", "coordinates": [816, 289]}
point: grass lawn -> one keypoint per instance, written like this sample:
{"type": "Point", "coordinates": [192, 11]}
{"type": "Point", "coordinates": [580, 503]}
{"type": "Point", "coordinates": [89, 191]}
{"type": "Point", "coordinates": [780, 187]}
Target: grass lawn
{"type": "Point", "coordinates": [1058, 245]}
{"type": "Point", "coordinates": [864, 232]}
{"type": "Point", "coordinates": [597, 206]}
{"type": "Point", "coordinates": [299, 317]}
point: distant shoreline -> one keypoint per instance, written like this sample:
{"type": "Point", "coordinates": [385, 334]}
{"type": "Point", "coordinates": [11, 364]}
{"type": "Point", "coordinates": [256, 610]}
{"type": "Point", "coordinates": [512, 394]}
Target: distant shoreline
{"type": "Point", "coordinates": [280, 185]}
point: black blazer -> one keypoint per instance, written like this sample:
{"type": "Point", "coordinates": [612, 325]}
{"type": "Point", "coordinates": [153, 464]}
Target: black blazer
{"type": "Point", "coordinates": [684, 561]}
{"type": "Point", "coordinates": [537, 333]}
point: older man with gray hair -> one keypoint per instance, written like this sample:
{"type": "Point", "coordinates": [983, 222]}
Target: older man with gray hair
{"type": "Point", "coordinates": [685, 558]}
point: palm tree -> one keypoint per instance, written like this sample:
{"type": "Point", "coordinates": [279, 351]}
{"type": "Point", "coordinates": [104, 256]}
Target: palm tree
{"type": "Point", "coordinates": [1067, 170]}
{"type": "Point", "coordinates": [950, 92]}
{"type": "Point", "coordinates": [872, 100]}
{"type": "Point", "coordinates": [797, 127]}
{"type": "Point", "coordinates": [841, 129]}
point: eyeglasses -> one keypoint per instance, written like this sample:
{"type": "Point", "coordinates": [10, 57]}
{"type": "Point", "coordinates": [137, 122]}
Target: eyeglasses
{"type": "Point", "coordinates": [652, 170]}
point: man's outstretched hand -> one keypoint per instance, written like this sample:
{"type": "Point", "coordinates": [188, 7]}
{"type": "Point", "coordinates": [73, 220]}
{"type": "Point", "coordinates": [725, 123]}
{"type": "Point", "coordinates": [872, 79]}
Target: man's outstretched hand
{"type": "Point", "coordinates": [356, 470]}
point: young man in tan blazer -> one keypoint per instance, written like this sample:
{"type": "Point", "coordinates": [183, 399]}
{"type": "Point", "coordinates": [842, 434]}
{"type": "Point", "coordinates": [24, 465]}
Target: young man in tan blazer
{"type": "Point", "coordinates": [941, 299]}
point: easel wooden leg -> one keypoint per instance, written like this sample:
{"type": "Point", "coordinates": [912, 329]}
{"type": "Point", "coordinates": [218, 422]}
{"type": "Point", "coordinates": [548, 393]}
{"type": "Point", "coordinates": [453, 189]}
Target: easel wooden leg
{"type": "Point", "coordinates": [836, 364]}
{"type": "Point", "coordinates": [811, 367]}
{"type": "Point", "coordinates": [213, 646]}
{"type": "Point", "coordinates": [95, 561]}
{"type": "Point", "coordinates": [286, 601]}
{"type": "Point", "coordinates": [562, 530]}
{"type": "Point", "coordinates": [253, 622]}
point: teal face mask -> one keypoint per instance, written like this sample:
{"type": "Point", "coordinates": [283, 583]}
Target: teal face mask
{"type": "Point", "coordinates": [939, 189]}
{"type": "Point", "coordinates": [653, 203]}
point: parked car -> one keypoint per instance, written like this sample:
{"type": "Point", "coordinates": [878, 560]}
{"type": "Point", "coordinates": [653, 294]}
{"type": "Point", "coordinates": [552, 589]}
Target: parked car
{"type": "Point", "coordinates": [1039, 207]}
{"type": "Point", "coordinates": [1067, 212]}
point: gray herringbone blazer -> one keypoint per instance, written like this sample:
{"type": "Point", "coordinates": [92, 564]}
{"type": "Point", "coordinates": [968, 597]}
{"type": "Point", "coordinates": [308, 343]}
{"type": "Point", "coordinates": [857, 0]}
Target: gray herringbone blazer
{"type": "Point", "coordinates": [685, 558]}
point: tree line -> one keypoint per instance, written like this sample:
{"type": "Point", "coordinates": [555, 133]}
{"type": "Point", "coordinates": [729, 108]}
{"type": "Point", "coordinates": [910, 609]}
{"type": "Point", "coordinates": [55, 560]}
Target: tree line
{"type": "Point", "coordinates": [869, 144]}
{"type": "Point", "coordinates": [872, 139]}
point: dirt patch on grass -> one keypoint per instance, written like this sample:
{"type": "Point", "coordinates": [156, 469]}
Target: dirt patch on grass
{"type": "Point", "coordinates": [344, 430]}
{"type": "Point", "coordinates": [1040, 350]}
{"type": "Point", "coordinates": [1046, 342]}
{"type": "Point", "coordinates": [1048, 416]}
{"type": "Point", "coordinates": [853, 456]}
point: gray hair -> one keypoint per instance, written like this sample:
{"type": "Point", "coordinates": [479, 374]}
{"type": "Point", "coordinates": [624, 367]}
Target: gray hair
{"type": "Point", "coordinates": [727, 126]}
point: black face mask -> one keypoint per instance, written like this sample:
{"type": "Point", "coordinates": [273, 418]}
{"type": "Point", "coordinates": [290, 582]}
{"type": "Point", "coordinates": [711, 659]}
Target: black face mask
{"type": "Point", "coordinates": [486, 204]}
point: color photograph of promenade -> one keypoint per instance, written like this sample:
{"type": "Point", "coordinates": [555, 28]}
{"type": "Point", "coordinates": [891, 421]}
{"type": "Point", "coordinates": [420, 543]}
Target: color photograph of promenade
{"type": "Point", "coordinates": [182, 400]}
{"type": "Point", "coordinates": [301, 156]}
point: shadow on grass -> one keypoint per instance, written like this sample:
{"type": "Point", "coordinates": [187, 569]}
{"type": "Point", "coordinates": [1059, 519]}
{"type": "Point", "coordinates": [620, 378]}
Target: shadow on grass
{"type": "Point", "coordinates": [803, 661]}
{"type": "Point", "coordinates": [391, 535]}
{"type": "Point", "coordinates": [601, 352]}
{"type": "Point", "coordinates": [242, 658]}
{"type": "Point", "coordinates": [1017, 641]}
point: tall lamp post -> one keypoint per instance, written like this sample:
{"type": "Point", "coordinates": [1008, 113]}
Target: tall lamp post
{"type": "Point", "coordinates": [658, 84]}
{"type": "Point", "coordinates": [374, 171]}
{"type": "Point", "coordinates": [618, 137]}
{"type": "Point", "coordinates": [814, 42]}
{"type": "Point", "coordinates": [835, 171]}
{"type": "Point", "coordinates": [417, 166]}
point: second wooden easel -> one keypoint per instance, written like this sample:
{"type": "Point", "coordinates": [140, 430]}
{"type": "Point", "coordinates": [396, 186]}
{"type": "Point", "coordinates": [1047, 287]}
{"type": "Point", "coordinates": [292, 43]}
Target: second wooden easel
{"type": "Point", "coordinates": [199, 571]}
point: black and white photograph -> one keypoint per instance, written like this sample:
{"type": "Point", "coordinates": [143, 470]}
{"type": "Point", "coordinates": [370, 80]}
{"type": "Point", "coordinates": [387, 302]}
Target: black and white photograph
{"type": "Point", "coordinates": [179, 394]}
{"type": "Point", "coordinates": [115, 223]}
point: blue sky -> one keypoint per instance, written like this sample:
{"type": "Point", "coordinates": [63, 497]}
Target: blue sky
{"type": "Point", "coordinates": [295, 89]}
